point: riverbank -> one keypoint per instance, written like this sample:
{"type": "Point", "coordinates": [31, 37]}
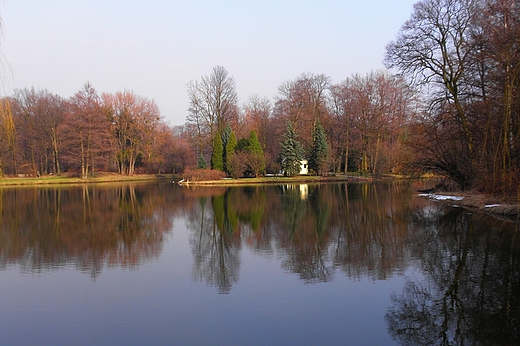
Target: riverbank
{"type": "Point", "coordinates": [475, 201]}
{"type": "Point", "coordinates": [63, 180]}
{"type": "Point", "coordinates": [305, 179]}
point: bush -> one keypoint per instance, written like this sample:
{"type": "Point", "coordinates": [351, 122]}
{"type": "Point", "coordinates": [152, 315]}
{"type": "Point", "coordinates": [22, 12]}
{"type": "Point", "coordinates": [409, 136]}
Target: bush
{"type": "Point", "coordinates": [202, 174]}
{"type": "Point", "coordinates": [237, 164]}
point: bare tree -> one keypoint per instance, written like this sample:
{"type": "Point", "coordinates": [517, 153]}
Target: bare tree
{"type": "Point", "coordinates": [133, 120]}
{"type": "Point", "coordinates": [39, 113]}
{"type": "Point", "coordinates": [213, 104]}
{"type": "Point", "coordinates": [371, 111]}
{"type": "Point", "coordinates": [434, 46]}
{"type": "Point", "coordinates": [497, 31]}
{"type": "Point", "coordinates": [7, 134]}
{"type": "Point", "coordinates": [303, 101]}
{"type": "Point", "coordinates": [84, 133]}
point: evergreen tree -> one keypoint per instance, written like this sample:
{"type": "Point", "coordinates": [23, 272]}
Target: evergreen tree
{"type": "Point", "coordinates": [230, 152]}
{"type": "Point", "coordinates": [242, 144]}
{"type": "Point", "coordinates": [225, 138]}
{"type": "Point", "coordinates": [291, 152]}
{"type": "Point", "coordinates": [217, 154]}
{"type": "Point", "coordinates": [201, 162]}
{"type": "Point", "coordinates": [320, 150]}
{"type": "Point", "coordinates": [256, 160]}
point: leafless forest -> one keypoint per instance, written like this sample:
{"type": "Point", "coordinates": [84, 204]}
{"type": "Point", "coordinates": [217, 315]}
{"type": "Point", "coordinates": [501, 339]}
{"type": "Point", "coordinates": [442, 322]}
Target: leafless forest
{"type": "Point", "coordinates": [449, 103]}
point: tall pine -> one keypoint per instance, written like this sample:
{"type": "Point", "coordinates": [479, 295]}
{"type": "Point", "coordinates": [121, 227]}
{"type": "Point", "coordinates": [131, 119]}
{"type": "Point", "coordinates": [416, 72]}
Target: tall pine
{"type": "Point", "coordinates": [291, 152]}
{"type": "Point", "coordinates": [217, 154]}
{"type": "Point", "coordinates": [320, 150]}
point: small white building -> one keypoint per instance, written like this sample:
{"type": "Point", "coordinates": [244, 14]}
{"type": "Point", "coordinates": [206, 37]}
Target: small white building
{"type": "Point", "coordinates": [304, 167]}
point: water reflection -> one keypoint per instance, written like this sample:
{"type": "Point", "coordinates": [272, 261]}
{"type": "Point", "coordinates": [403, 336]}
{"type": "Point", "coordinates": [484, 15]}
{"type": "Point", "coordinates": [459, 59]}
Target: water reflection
{"type": "Point", "coordinates": [467, 290]}
{"type": "Point", "coordinates": [462, 284]}
{"type": "Point", "coordinates": [470, 293]}
{"type": "Point", "coordinates": [214, 247]}
{"type": "Point", "coordinates": [88, 227]}
{"type": "Point", "coordinates": [360, 229]}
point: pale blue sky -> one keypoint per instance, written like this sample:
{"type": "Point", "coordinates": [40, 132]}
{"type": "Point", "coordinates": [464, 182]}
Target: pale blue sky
{"type": "Point", "coordinates": [155, 47]}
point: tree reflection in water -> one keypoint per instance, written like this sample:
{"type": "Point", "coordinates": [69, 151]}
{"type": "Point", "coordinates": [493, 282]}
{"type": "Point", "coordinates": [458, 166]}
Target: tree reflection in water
{"type": "Point", "coordinates": [471, 291]}
{"type": "Point", "coordinates": [470, 294]}
{"type": "Point", "coordinates": [470, 262]}
{"type": "Point", "coordinates": [216, 254]}
{"type": "Point", "coordinates": [358, 228]}
{"type": "Point", "coordinates": [89, 227]}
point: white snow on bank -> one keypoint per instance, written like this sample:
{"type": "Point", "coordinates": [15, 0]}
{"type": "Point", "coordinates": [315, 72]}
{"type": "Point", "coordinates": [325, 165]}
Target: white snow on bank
{"type": "Point", "coordinates": [492, 205]}
{"type": "Point", "coordinates": [441, 197]}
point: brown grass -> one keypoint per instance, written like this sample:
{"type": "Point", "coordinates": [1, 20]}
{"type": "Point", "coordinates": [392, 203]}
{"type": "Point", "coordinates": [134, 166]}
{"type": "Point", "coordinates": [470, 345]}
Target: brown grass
{"type": "Point", "coordinates": [60, 179]}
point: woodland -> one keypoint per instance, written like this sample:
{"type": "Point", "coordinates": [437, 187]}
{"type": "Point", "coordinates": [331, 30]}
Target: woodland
{"type": "Point", "coordinates": [448, 104]}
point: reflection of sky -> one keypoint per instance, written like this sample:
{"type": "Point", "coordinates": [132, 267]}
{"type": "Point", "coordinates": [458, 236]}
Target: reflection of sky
{"type": "Point", "coordinates": [159, 302]}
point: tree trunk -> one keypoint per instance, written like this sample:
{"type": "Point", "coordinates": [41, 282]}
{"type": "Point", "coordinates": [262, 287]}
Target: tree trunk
{"type": "Point", "coordinates": [346, 150]}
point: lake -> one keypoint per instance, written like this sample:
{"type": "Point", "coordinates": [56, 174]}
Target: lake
{"type": "Point", "coordinates": [324, 264]}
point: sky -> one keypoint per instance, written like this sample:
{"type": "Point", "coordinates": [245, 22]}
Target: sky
{"type": "Point", "coordinates": [154, 48]}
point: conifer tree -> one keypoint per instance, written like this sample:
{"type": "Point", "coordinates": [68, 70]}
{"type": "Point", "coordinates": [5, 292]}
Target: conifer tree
{"type": "Point", "coordinates": [256, 160]}
{"type": "Point", "coordinates": [216, 155]}
{"type": "Point", "coordinates": [201, 162]}
{"type": "Point", "coordinates": [230, 152]}
{"type": "Point", "coordinates": [320, 150]}
{"type": "Point", "coordinates": [291, 152]}
{"type": "Point", "coordinates": [225, 138]}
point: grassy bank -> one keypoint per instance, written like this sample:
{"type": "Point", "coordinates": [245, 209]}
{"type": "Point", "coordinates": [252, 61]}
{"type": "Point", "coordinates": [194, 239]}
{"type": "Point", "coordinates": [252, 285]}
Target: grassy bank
{"type": "Point", "coordinates": [60, 180]}
{"type": "Point", "coordinates": [280, 180]}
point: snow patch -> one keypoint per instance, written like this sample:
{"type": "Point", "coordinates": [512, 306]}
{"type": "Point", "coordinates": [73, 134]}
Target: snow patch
{"type": "Point", "coordinates": [441, 197]}
{"type": "Point", "coordinates": [492, 205]}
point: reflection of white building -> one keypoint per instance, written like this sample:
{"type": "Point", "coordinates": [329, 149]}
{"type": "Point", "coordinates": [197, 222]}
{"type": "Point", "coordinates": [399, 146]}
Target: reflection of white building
{"type": "Point", "coordinates": [304, 191]}
{"type": "Point", "coordinates": [304, 167]}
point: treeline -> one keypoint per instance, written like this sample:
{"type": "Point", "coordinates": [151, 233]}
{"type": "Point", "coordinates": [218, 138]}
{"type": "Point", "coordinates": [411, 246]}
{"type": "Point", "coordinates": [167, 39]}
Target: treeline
{"type": "Point", "coordinates": [451, 107]}
{"type": "Point", "coordinates": [465, 56]}
{"type": "Point", "coordinates": [355, 125]}
{"type": "Point", "coordinates": [43, 133]}
{"type": "Point", "coordinates": [359, 124]}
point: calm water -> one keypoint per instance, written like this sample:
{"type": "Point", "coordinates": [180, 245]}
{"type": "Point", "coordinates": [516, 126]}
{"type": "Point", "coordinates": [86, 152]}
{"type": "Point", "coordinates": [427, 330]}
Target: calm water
{"type": "Point", "coordinates": [333, 264]}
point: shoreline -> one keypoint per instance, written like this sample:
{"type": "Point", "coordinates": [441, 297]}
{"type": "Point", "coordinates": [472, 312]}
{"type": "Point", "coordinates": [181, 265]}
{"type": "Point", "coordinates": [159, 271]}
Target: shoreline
{"type": "Point", "coordinates": [470, 200]}
{"type": "Point", "coordinates": [280, 180]}
{"type": "Point", "coordinates": [49, 180]}
{"type": "Point", "coordinates": [475, 201]}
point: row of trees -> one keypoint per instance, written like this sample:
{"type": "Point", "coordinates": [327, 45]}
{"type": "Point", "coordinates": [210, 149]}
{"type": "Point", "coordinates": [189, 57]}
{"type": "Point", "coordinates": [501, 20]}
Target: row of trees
{"type": "Point", "coordinates": [466, 55]}
{"type": "Point", "coordinates": [453, 108]}
{"type": "Point", "coordinates": [358, 124]}
{"type": "Point", "coordinates": [43, 133]}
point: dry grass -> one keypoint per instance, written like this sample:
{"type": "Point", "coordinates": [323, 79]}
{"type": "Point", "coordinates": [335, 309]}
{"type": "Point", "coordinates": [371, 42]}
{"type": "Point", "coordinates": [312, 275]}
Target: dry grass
{"type": "Point", "coordinates": [54, 180]}
{"type": "Point", "coordinates": [276, 180]}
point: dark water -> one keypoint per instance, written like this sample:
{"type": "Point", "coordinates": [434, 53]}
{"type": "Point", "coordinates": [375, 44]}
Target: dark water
{"type": "Point", "coordinates": [332, 264]}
